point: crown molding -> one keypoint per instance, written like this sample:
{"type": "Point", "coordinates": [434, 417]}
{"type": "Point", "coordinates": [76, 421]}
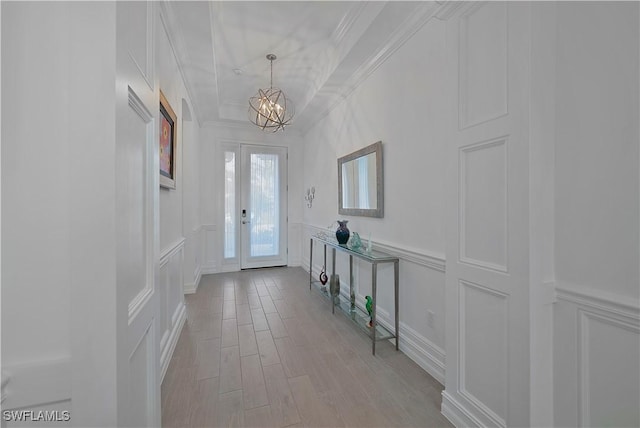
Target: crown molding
{"type": "Point", "coordinates": [423, 13]}
{"type": "Point", "coordinates": [347, 22]}
{"type": "Point", "coordinates": [176, 41]}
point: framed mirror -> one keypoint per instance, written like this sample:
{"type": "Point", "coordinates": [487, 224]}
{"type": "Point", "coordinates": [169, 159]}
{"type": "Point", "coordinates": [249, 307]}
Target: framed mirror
{"type": "Point", "coordinates": [360, 182]}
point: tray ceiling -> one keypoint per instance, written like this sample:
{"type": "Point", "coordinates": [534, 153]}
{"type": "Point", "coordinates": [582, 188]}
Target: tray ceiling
{"type": "Point", "coordinates": [324, 49]}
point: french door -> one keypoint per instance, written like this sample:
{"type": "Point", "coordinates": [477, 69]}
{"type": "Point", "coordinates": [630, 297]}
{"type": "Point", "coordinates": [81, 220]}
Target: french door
{"type": "Point", "coordinates": [255, 206]}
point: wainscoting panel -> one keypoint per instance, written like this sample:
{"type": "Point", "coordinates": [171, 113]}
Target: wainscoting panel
{"type": "Point", "coordinates": [142, 381]}
{"type": "Point", "coordinates": [487, 215]}
{"type": "Point", "coordinates": [483, 205]}
{"type": "Point", "coordinates": [598, 336]}
{"type": "Point", "coordinates": [483, 342]}
{"type": "Point", "coordinates": [36, 384]}
{"type": "Point", "coordinates": [171, 296]}
{"type": "Point", "coordinates": [193, 258]}
{"type": "Point", "coordinates": [483, 64]}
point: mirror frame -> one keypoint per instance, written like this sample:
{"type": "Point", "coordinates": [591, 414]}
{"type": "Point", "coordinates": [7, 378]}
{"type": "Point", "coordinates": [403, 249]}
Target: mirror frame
{"type": "Point", "coordinates": [370, 212]}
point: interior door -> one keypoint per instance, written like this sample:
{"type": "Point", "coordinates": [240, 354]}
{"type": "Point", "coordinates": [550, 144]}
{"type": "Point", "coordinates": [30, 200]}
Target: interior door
{"type": "Point", "coordinates": [262, 216]}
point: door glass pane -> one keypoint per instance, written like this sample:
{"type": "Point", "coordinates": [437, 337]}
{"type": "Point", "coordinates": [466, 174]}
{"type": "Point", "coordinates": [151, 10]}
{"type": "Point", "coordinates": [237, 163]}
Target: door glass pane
{"type": "Point", "coordinates": [229, 205]}
{"type": "Point", "coordinates": [264, 239]}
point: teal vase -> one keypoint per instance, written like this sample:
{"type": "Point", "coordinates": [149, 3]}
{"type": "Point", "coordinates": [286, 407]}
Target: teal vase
{"type": "Point", "coordinates": [342, 234]}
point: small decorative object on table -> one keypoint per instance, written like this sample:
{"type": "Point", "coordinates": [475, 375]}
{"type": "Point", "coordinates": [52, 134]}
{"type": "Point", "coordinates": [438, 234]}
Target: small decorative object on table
{"type": "Point", "coordinates": [356, 242]}
{"type": "Point", "coordinates": [342, 234]}
{"type": "Point", "coordinates": [369, 306]}
{"type": "Point", "coordinates": [323, 276]}
{"type": "Point", "coordinates": [334, 285]}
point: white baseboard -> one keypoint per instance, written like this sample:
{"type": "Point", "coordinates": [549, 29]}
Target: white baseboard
{"type": "Point", "coordinates": [167, 352]}
{"type": "Point", "coordinates": [456, 413]}
{"type": "Point", "coordinates": [208, 270]}
{"type": "Point", "coordinates": [191, 288]}
{"type": "Point", "coordinates": [423, 352]}
{"type": "Point", "coordinates": [38, 383]}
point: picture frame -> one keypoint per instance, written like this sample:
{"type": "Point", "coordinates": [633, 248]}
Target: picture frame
{"type": "Point", "coordinates": [167, 144]}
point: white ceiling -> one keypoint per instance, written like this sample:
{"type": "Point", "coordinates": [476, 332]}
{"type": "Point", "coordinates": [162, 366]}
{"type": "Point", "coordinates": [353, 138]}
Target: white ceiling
{"type": "Point", "coordinates": [324, 49]}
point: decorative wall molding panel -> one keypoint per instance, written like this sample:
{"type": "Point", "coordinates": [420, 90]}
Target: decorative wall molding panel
{"type": "Point", "coordinates": [172, 307]}
{"type": "Point", "coordinates": [171, 251]}
{"type": "Point", "coordinates": [37, 384]}
{"type": "Point", "coordinates": [587, 298]}
{"type": "Point", "coordinates": [142, 53]}
{"type": "Point", "coordinates": [483, 64]}
{"type": "Point", "coordinates": [484, 232]}
{"type": "Point", "coordinates": [169, 345]}
{"type": "Point", "coordinates": [483, 340]}
{"type": "Point", "coordinates": [3, 386]}
{"type": "Point", "coordinates": [602, 333]}
{"type": "Point", "coordinates": [488, 326]}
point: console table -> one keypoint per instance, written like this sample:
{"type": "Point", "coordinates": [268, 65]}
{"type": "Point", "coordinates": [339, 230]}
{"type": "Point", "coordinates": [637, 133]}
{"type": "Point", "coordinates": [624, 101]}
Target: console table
{"type": "Point", "coordinates": [357, 314]}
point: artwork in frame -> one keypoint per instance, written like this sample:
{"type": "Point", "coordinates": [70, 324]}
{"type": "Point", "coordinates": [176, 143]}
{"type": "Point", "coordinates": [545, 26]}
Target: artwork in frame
{"type": "Point", "coordinates": [168, 144]}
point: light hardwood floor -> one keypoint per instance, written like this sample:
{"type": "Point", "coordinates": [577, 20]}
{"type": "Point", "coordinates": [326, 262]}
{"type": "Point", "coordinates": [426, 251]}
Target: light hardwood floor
{"type": "Point", "coordinates": [261, 350]}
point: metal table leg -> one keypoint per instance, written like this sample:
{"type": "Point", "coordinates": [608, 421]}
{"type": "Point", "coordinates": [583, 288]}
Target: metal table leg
{"type": "Point", "coordinates": [333, 270]}
{"type": "Point", "coordinates": [374, 286]}
{"type": "Point", "coordinates": [396, 279]}
{"type": "Point", "coordinates": [310, 262]}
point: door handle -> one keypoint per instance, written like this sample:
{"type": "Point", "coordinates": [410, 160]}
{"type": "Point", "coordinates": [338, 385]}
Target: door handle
{"type": "Point", "coordinates": [245, 222]}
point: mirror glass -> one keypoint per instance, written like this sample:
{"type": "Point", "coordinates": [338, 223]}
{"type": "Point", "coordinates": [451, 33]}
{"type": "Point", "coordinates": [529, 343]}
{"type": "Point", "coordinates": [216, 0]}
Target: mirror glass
{"type": "Point", "coordinates": [360, 182]}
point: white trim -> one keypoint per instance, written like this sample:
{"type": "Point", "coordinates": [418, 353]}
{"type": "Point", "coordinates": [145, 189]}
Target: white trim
{"type": "Point", "coordinates": [170, 251]}
{"type": "Point", "coordinates": [3, 388]}
{"type": "Point", "coordinates": [412, 255]}
{"type": "Point", "coordinates": [192, 288]}
{"type": "Point", "coordinates": [37, 383]}
{"type": "Point", "coordinates": [138, 303]}
{"type": "Point", "coordinates": [347, 22]}
{"type": "Point", "coordinates": [456, 413]}
{"type": "Point", "coordinates": [588, 298]}
{"type": "Point", "coordinates": [585, 315]}
{"type": "Point", "coordinates": [167, 352]}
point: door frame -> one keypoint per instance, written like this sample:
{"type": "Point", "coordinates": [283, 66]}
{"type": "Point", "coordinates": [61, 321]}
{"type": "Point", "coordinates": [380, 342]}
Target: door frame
{"type": "Point", "coordinates": [234, 264]}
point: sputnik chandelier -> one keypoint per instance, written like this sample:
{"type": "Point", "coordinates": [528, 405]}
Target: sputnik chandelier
{"type": "Point", "coordinates": [270, 109]}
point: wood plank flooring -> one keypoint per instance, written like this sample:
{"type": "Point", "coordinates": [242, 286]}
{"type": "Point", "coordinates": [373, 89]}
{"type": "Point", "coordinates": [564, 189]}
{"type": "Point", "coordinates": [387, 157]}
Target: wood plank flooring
{"type": "Point", "coordinates": [261, 350]}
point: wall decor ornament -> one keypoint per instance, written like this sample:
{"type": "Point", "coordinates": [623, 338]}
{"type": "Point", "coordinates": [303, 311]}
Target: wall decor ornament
{"type": "Point", "coordinates": [167, 144]}
{"type": "Point", "coordinates": [342, 233]}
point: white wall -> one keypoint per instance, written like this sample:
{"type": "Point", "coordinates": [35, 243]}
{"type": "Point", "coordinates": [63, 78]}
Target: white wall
{"type": "Point", "coordinates": [596, 215]}
{"type": "Point", "coordinates": [179, 207]}
{"type": "Point", "coordinates": [58, 232]}
{"type": "Point", "coordinates": [59, 314]}
{"type": "Point", "coordinates": [401, 104]}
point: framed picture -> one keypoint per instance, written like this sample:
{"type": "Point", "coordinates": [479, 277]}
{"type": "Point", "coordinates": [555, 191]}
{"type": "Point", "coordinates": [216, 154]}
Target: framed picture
{"type": "Point", "coordinates": [168, 144]}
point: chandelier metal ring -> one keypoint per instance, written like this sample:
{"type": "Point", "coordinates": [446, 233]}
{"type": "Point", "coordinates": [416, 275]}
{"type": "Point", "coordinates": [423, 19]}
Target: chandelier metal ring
{"type": "Point", "coordinates": [270, 109]}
